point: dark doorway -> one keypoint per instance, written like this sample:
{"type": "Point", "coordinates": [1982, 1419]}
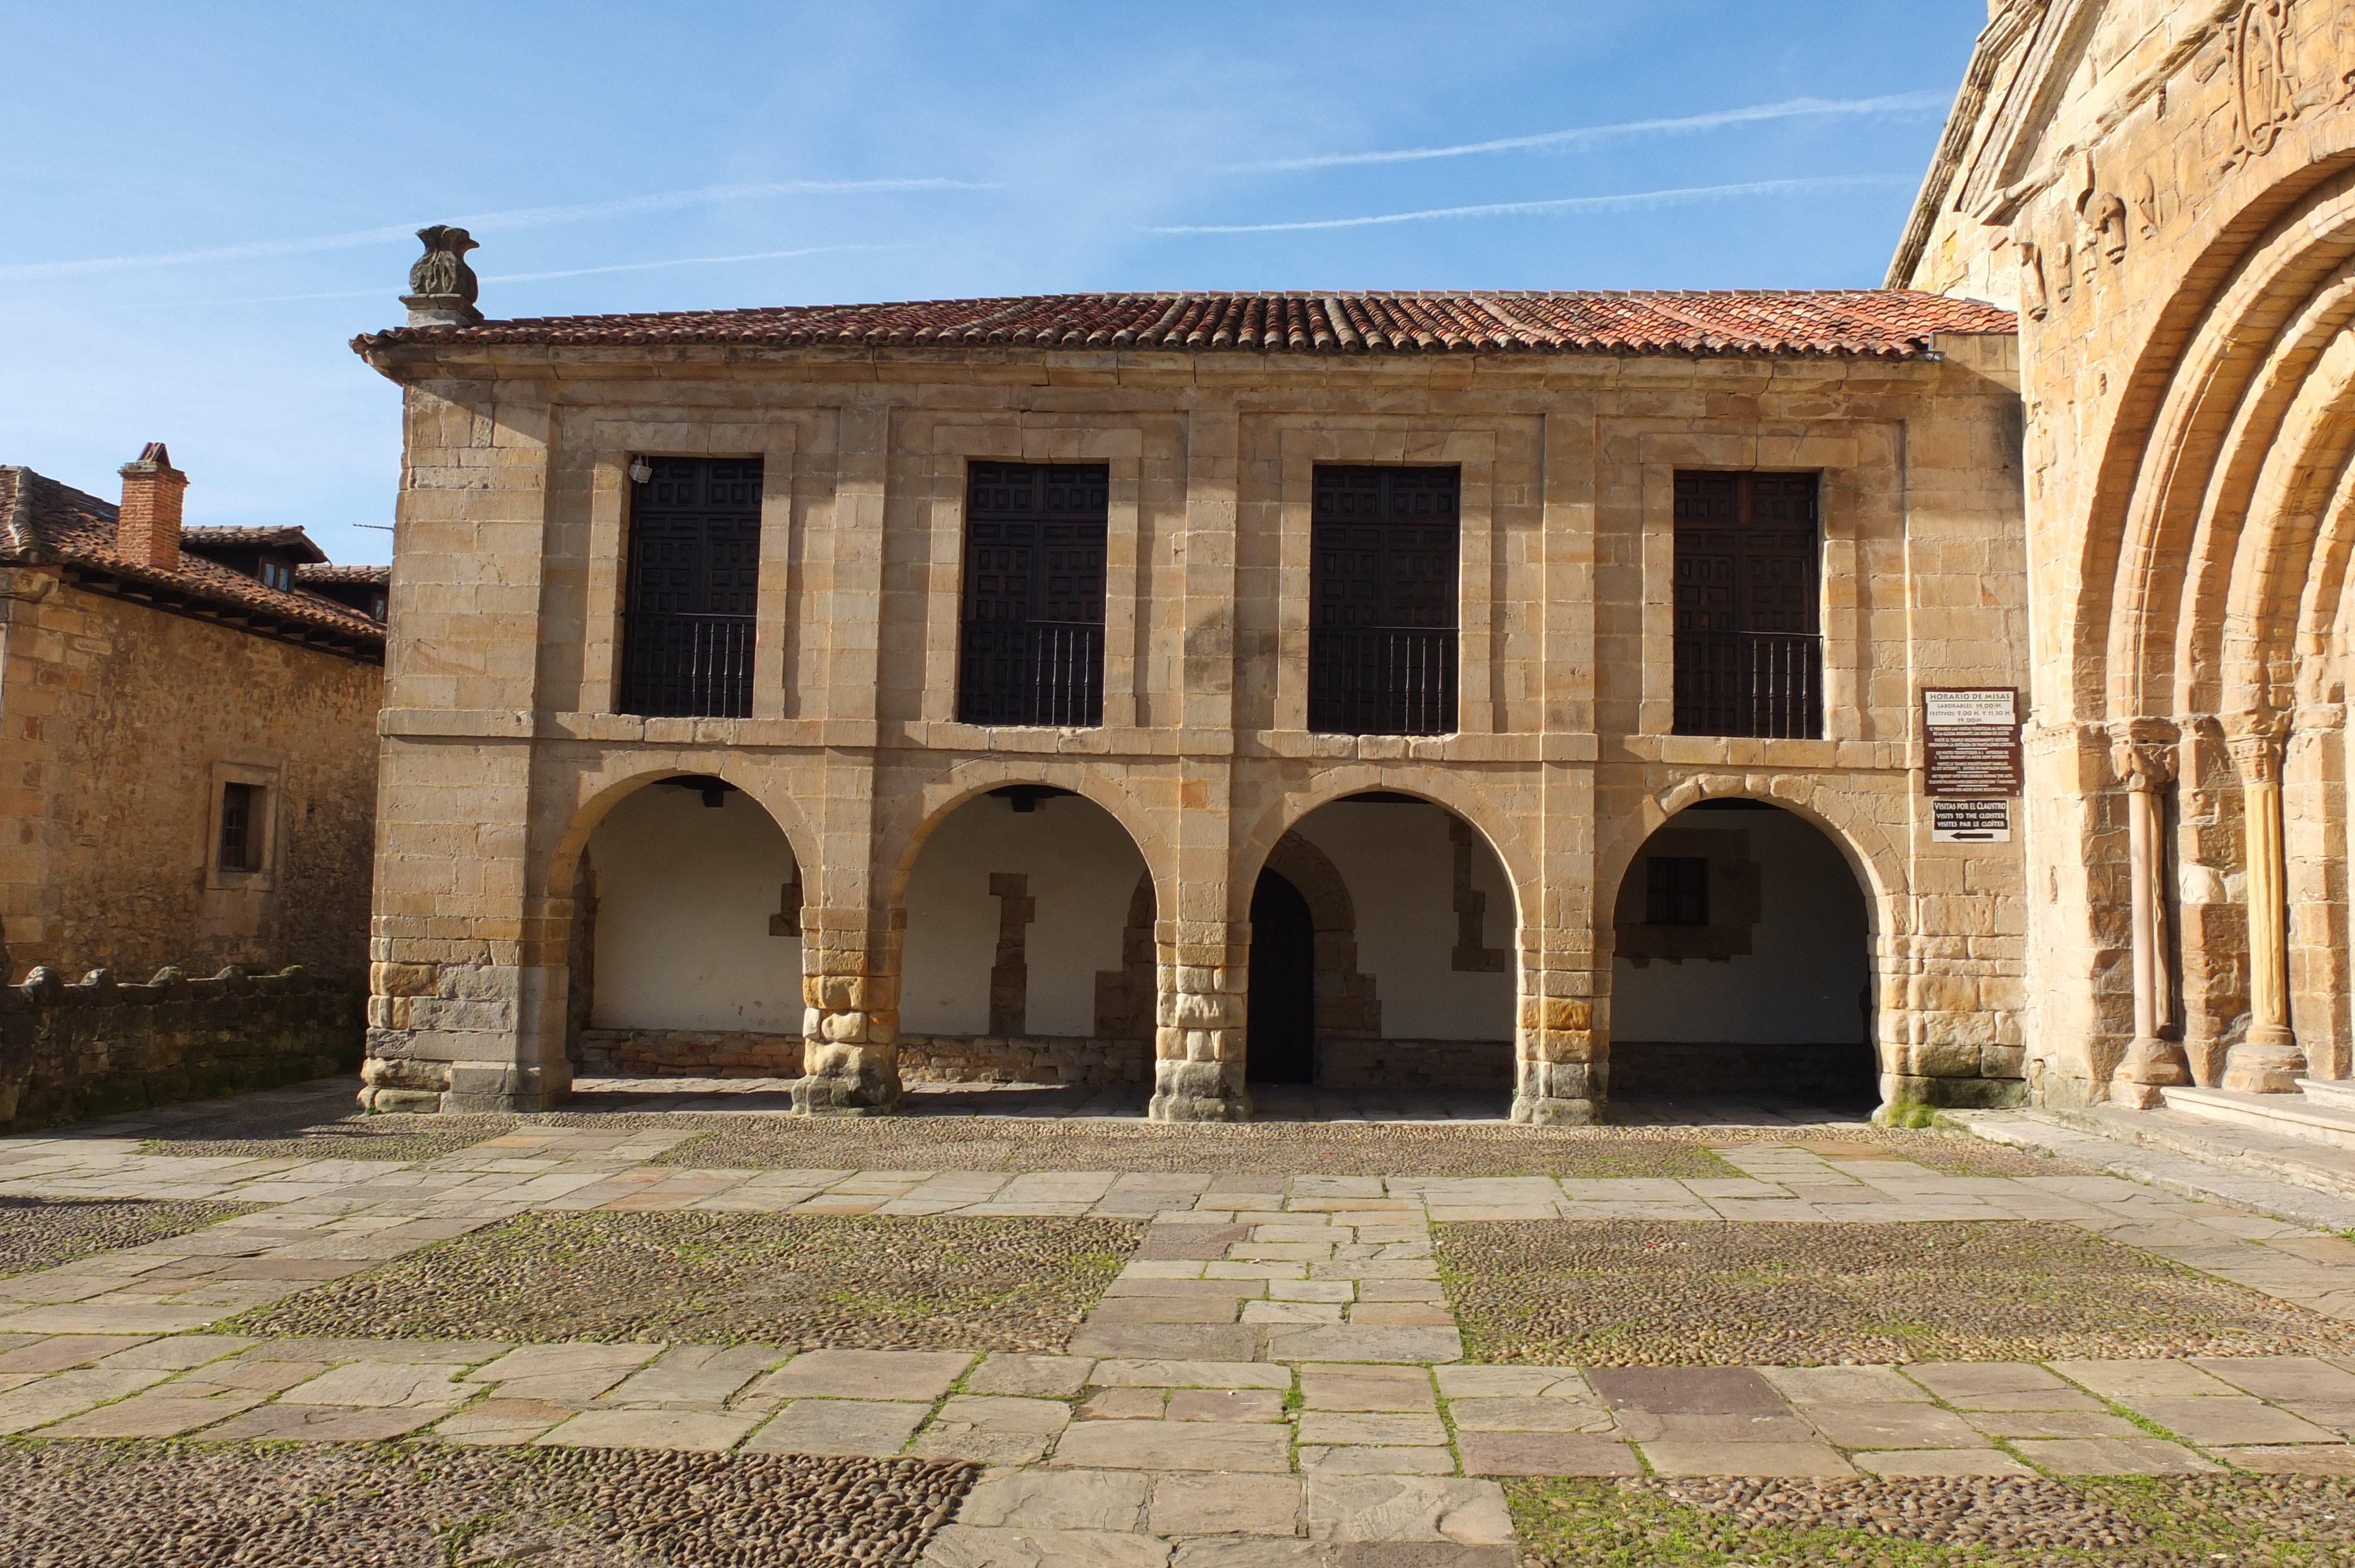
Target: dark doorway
{"type": "Point", "coordinates": [1280, 1020]}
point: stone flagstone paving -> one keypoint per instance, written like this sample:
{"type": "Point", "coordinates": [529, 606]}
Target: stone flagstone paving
{"type": "Point", "coordinates": [1275, 1375]}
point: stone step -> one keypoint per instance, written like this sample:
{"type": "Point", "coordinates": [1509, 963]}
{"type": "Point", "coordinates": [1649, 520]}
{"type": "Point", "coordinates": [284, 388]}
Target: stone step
{"type": "Point", "coordinates": [2287, 1116]}
{"type": "Point", "coordinates": [2334, 1094]}
{"type": "Point", "coordinates": [2268, 1173]}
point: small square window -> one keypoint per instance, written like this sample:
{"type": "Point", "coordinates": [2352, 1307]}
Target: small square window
{"type": "Point", "coordinates": [240, 828]}
{"type": "Point", "coordinates": [1676, 890]}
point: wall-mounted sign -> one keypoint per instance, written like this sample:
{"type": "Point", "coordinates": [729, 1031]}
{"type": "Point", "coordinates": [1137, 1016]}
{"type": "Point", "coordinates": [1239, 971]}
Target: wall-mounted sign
{"type": "Point", "coordinates": [1963, 820]}
{"type": "Point", "coordinates": [1970, 740]}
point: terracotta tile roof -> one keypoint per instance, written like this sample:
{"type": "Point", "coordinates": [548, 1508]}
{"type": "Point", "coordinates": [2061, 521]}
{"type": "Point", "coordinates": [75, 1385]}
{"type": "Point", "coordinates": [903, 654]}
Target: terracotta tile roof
{"type": "Point", "coordinates": [380, 577]}
{"type": "Point", "coordinates": [290, 536]}
{"type": "Point", "coordinates": [42, 521]}
{"type": "Point", "coordinates": [1893, 324]}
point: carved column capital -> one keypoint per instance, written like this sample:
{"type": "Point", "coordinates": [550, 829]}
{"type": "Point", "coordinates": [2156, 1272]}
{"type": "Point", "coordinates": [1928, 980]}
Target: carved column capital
{"type": "Point", "coordinates": [2256, 739]}
{"type": "Point", "coordinates": [2143, 762]}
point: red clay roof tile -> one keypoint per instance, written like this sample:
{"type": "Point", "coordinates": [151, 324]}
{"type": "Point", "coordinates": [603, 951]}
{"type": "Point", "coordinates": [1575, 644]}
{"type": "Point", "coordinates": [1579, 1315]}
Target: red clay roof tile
{"type": "Point", "coordinates": [1891, 323]}
{"type": "Point", "coordinates": [42, 520]}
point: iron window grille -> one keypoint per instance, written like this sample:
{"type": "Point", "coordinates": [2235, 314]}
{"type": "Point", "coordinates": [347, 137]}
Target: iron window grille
{"type": "Point", "coordinates": [1382, 592]}
{"type": "Point", "coordinates": [1749, 653]}
{"type": "Point", "coordinates": [693, 586]}
{"type": "Point", "coordinates": [1031, 638]}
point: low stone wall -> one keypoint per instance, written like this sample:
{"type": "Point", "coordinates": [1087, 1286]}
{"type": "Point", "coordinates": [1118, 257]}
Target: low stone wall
{"type": "Point", "coordinates": [689, 1053]}
{"type": "Point", "coordinates": [1044, 1059]}
{"type": "Point", "coordinates": [923, 1058]}
{"type": "Point", "coordinates": [1782, 1071]}
{"type": "Point", "coordinates": [1415, 1064]}
{"type": "Point", "coordinates": [72, 1052]}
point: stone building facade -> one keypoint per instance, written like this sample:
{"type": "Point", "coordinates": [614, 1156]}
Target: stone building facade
{"type": "Point", "coordinates": [831, 856]}
{"type": "Point", "coordinates": [2165, 189]}
{"type": "Point", "coordinates": [187, 718]}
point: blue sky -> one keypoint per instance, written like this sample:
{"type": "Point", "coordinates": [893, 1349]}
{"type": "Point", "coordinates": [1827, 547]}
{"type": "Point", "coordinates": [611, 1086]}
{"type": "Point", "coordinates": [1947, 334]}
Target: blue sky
{"type": "Point", "coordinates": [207, 202]}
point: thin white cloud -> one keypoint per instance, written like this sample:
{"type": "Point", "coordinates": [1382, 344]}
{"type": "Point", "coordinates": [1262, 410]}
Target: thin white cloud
{"type": "Point", "coordinates": [1632, 201]}
{"type": "Point", "coordinates": [685, 261]}
{"type": "Point", "coordinates": [521, 218]}
{"type": "Point", "coordinates": [1589, 135]}
{"type": "Point", "coordinates": [386, 291]}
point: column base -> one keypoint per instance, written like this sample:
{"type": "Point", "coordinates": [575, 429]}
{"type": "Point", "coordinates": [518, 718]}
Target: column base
{"type": "Point", "coordinates": [1199, 1091]}
{"type": "Point", "coordinates": [392, 1085]}
{"type": "Point", "coordinates": [1560, 1093]}
{"type": "Point", "coordinates": [2137, 1097]}
{"type": "Point", "coordinates": [2267, 1062]}
{"type": "Point", "coordinates": [1551, 1110]}
{"type": "Point", "coordinates": [849, 1080]}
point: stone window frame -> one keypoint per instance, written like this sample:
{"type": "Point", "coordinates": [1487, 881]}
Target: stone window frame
{"type": "Point", "coordinates": [1044, 438]}
{"type": "Point", "coordinates": [269, 776]}
{"type": "Point", "coordinates": [1842, 505]}
{"type": "Point", "coordinates": [615, 441]}
{"type": "Point", "coordinates": [1306, 442]}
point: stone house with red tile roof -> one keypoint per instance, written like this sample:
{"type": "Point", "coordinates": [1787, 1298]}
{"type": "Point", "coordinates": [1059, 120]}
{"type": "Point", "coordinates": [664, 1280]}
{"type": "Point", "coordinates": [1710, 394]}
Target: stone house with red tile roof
{"type": "Point", "coordinates": [1509, 693]}
{"type": "Point", "coordinates": [188, 719]}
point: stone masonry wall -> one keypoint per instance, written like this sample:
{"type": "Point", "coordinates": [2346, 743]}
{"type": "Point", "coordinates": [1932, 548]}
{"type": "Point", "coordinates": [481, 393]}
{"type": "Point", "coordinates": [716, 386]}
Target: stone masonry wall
{"type": "Point", "coordinates": [2165, 189]}
{"type": "Point", "coordinates": [503, 750]}
{"type": "Point", "coordinates": [72, 1052]}
{"type": "Point", "coordinates": [117, 720]}
{"type": "Point", "coordinates": [923, 1058]}
{"type": "Point", "coordinates": [1415, 1064]}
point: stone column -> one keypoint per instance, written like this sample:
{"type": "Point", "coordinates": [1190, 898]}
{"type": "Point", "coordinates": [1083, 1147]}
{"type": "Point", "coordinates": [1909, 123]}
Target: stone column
{"type": "Point", "coordinates": [2267, 1060]}
{"type": "Point", "coordinates": [2151, 1062]}
{"type": "Point", "coordinates": [850, 1017]}
{"type": "Point", "coordinates": [1197, 1039]}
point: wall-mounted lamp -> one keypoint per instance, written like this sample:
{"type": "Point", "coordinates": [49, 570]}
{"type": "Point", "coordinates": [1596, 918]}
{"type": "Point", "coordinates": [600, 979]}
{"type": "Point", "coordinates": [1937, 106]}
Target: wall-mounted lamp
{"type": "Point", "coordinates": [640, 470]}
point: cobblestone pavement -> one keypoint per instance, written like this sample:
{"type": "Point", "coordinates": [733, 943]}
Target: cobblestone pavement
{"type": "Point", "coordinates": [1273, 1376]}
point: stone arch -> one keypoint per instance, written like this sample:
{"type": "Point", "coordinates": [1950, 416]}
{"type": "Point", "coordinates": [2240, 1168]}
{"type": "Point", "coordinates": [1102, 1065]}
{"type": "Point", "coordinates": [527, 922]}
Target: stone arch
{"type": "Point", "coordinates": [2255, 548]}
{"type": "Point", "coordinates": [1749, 968]}
{"type": "Point", "coordinates": [1005, 985]}
{"type": "Point", "coordinates": [900, 837]}
{"type": "Point", "coordinates": [2180, 459]}
{"type": "Point", "coordinates": [2176, 400]}
{"type": "Point", "coordinates": [597, 791]}
{"type": "Point", "coordinates": [1877, 864]}
{"type": "Point", "coordinates": [678, 957]}
{"type": "Point", "coordinates": [1456, 793]}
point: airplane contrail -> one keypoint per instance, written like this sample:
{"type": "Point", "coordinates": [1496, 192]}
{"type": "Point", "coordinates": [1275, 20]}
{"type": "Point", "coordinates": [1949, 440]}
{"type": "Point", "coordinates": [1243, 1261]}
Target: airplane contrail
{"type": "Point", "coordinates": [1791, 109]}
{"type": "Point", "coordinates": [1632, 201]}
{"type": "Point", "coordinates": [520, 218]}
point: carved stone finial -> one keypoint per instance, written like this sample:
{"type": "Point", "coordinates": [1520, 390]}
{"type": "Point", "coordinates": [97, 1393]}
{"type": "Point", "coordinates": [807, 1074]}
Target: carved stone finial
{"type": "Point", "coordinates": [441, 287]}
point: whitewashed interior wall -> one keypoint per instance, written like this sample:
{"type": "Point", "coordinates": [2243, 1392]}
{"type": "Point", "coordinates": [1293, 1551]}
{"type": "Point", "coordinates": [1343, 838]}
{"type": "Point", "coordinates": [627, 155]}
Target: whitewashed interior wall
{"type": "Point", "coordinates": [685, 892]}
{"type": "Point", "coordinates": [1806, 969]}
{"type": "Point", "coordinates": [1082, 871]}
{"type": "Point", "coordinates": [1400, 866]}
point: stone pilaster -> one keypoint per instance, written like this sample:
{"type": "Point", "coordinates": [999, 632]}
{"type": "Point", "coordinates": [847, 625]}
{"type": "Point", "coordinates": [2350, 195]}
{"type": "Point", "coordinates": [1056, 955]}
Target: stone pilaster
{"type": "Point", "coordinates": [1197, 1041]}
{"type": "Point", "coordinates": [1563, 1074]}
{"type": "Point", "coordinates": [2151, 1062]}
{"type": "Point", "coordinates": [850, 1019]}
{"type": "Point", "coordinates": [2267, 1060]}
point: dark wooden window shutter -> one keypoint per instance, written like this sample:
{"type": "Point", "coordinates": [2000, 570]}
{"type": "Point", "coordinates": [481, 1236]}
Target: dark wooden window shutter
{"type": "Point", "coordinates": [1382, 600]}
{"type": "Point", "coordinates": [693, 586]}
{"type": "Point", "coordinates": [1031, 645]}
{"type": "Point", "coordinates": [1749, 652]}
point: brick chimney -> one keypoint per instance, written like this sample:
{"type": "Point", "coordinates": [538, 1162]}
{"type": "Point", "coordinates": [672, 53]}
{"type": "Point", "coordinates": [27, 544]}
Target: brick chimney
{"type": "Point", "coordinates": [148, 529]}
